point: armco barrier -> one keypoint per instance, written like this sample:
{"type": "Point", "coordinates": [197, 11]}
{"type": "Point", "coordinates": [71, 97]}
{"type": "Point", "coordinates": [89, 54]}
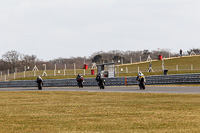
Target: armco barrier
{"type": "Point", "coordinates": [118, 81]}
{"type": "Point", "coordinates": [168, 79]}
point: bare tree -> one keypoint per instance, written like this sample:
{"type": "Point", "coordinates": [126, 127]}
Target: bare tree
{"type": "Point", "coordinates": [12, 59]}
{"type": "Point", "coordinates": [195, 50]}
{"type": "Point", "coordinates": [29, 61]}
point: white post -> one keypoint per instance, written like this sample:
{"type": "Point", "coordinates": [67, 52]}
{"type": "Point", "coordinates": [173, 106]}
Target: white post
{"type": "Point", "coordinates": [74, 69]}
{"type": "Point", "coordinates": [34, 74]}
{"type": "Point", "coordinates": [191, 66]}
{"type": "Point", "coordinates": [1, 74]}
{"type": "Point", "coordinates": [16, 70]}
{"type": "Point", "coordinates": [176, 67]}
{"type": "Point", "coordinates": [24, 68]}
{"type": "Point", "coordinates": [140, 59]}
{"type": "Point", "coordinates": [83, 71]}
{"type": "Point", "coordinates": [65, 67]}
{"type": "Point", "coordinates": [24, 74]}
{"type": "Point", "coordinates": [65, 70]}
{"type": "Point", "coordinates": [54, 72]}
{"type": "Point", "coordinates": [163, 66]}
{"type": "Point", "coordinates": [138, 68]}
{"type": "Point", "coordinates": [14, 75]}
{"type": "Point", "coordinates": [126, 69]}
{"type": "Point", "coordinates": [131, 60]}
{"type": "Point", "coordinates": [45, 68]}
{"type": "Point", "coordinates": [5, 77]}
{"type": "Point", "coordinates": [118, 71]}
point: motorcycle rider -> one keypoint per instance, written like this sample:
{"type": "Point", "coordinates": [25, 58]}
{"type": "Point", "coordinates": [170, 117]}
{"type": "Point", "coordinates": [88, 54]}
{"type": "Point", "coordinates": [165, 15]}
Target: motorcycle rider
{"type": "Point", "coordinates": [79, 79]}
{"type": "Point", "coordinates": [39, 81]}
{"type": "Point", "coordinates": [100, 79]}
{"type": "Point", "coordinates": [141, 79]}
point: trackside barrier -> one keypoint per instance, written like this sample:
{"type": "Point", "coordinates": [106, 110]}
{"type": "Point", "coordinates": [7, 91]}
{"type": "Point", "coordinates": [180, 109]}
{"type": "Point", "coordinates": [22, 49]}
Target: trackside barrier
{"type": "Point", "coordinates": [168, 79]}
{"type": "Point", "coordinates": [118, 81]}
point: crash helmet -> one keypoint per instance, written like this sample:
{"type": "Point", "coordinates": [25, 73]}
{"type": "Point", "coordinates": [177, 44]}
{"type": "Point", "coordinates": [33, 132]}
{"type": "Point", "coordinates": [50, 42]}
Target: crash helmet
{"type": "Point", "coordinates": [139, 73]}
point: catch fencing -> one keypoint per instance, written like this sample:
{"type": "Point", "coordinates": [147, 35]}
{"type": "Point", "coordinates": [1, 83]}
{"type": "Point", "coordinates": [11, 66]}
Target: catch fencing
{"type": "Point", "coordinates": [118, 81]}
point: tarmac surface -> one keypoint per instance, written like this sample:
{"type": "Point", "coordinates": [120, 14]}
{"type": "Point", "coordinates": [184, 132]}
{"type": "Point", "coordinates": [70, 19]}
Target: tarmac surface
{"type": "Point", "coordinates": [129, 89]}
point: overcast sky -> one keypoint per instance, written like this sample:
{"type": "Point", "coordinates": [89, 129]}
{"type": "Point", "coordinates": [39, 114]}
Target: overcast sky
{"type": "Point", "coordinates": [51, 29]}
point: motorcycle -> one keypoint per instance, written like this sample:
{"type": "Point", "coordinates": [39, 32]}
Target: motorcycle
{"type": "Point", "coordinates": [80, 82]}
{"type": "Point", "coordinates": [141, 81]}
{"type": "Point", "coordinates": [142, 85]}
{"type": "Point", "coordinates": [40, 86]}
{"type": "Point", "coordinates": [102, 84]}
{"type": "Point", "coordinates": [39, 82]}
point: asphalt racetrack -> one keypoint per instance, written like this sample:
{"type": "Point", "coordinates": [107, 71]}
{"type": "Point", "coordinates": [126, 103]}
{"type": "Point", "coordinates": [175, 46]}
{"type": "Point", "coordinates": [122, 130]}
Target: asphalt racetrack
{"type": "Point", "coordinates": [129, 89]}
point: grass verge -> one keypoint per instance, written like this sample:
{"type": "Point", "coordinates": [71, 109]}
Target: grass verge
{"type": "Point", "coordinates": [98, 112]}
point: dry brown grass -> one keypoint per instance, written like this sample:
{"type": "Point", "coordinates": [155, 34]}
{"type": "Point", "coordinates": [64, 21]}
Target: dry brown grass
{"type": "Point", "coordinates": [98, 112]}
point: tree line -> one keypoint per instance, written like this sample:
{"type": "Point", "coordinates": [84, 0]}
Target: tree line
{"type": "Point", "coordinates": [15, 61]}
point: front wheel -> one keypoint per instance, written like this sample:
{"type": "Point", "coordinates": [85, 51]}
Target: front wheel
{"type": "Point", "coordinates": [142, 86]}
{"type": "Point", "coordinates": [100, 86]}
{"type": "Point", "coordinates": [81, 84]}
{"type": "Point", "coordinates": [103, 85]}
{"type": "Point", "coordinates": [39, 86]}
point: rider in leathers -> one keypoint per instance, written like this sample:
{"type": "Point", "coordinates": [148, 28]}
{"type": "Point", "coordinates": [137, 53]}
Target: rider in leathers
{"type": "Point", "coordinates": [39, 80]}
{"type": "Point", "coordinates": [141, 79]}
{"type": "Point", "coordinates": [100, 79]}
{"type": "Point", "coordinates": [79, 79]}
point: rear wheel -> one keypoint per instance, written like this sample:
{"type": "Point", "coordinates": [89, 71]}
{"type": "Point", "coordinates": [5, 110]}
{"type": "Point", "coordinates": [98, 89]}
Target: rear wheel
{"type": "Point", "coordinates": [79, 84]}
